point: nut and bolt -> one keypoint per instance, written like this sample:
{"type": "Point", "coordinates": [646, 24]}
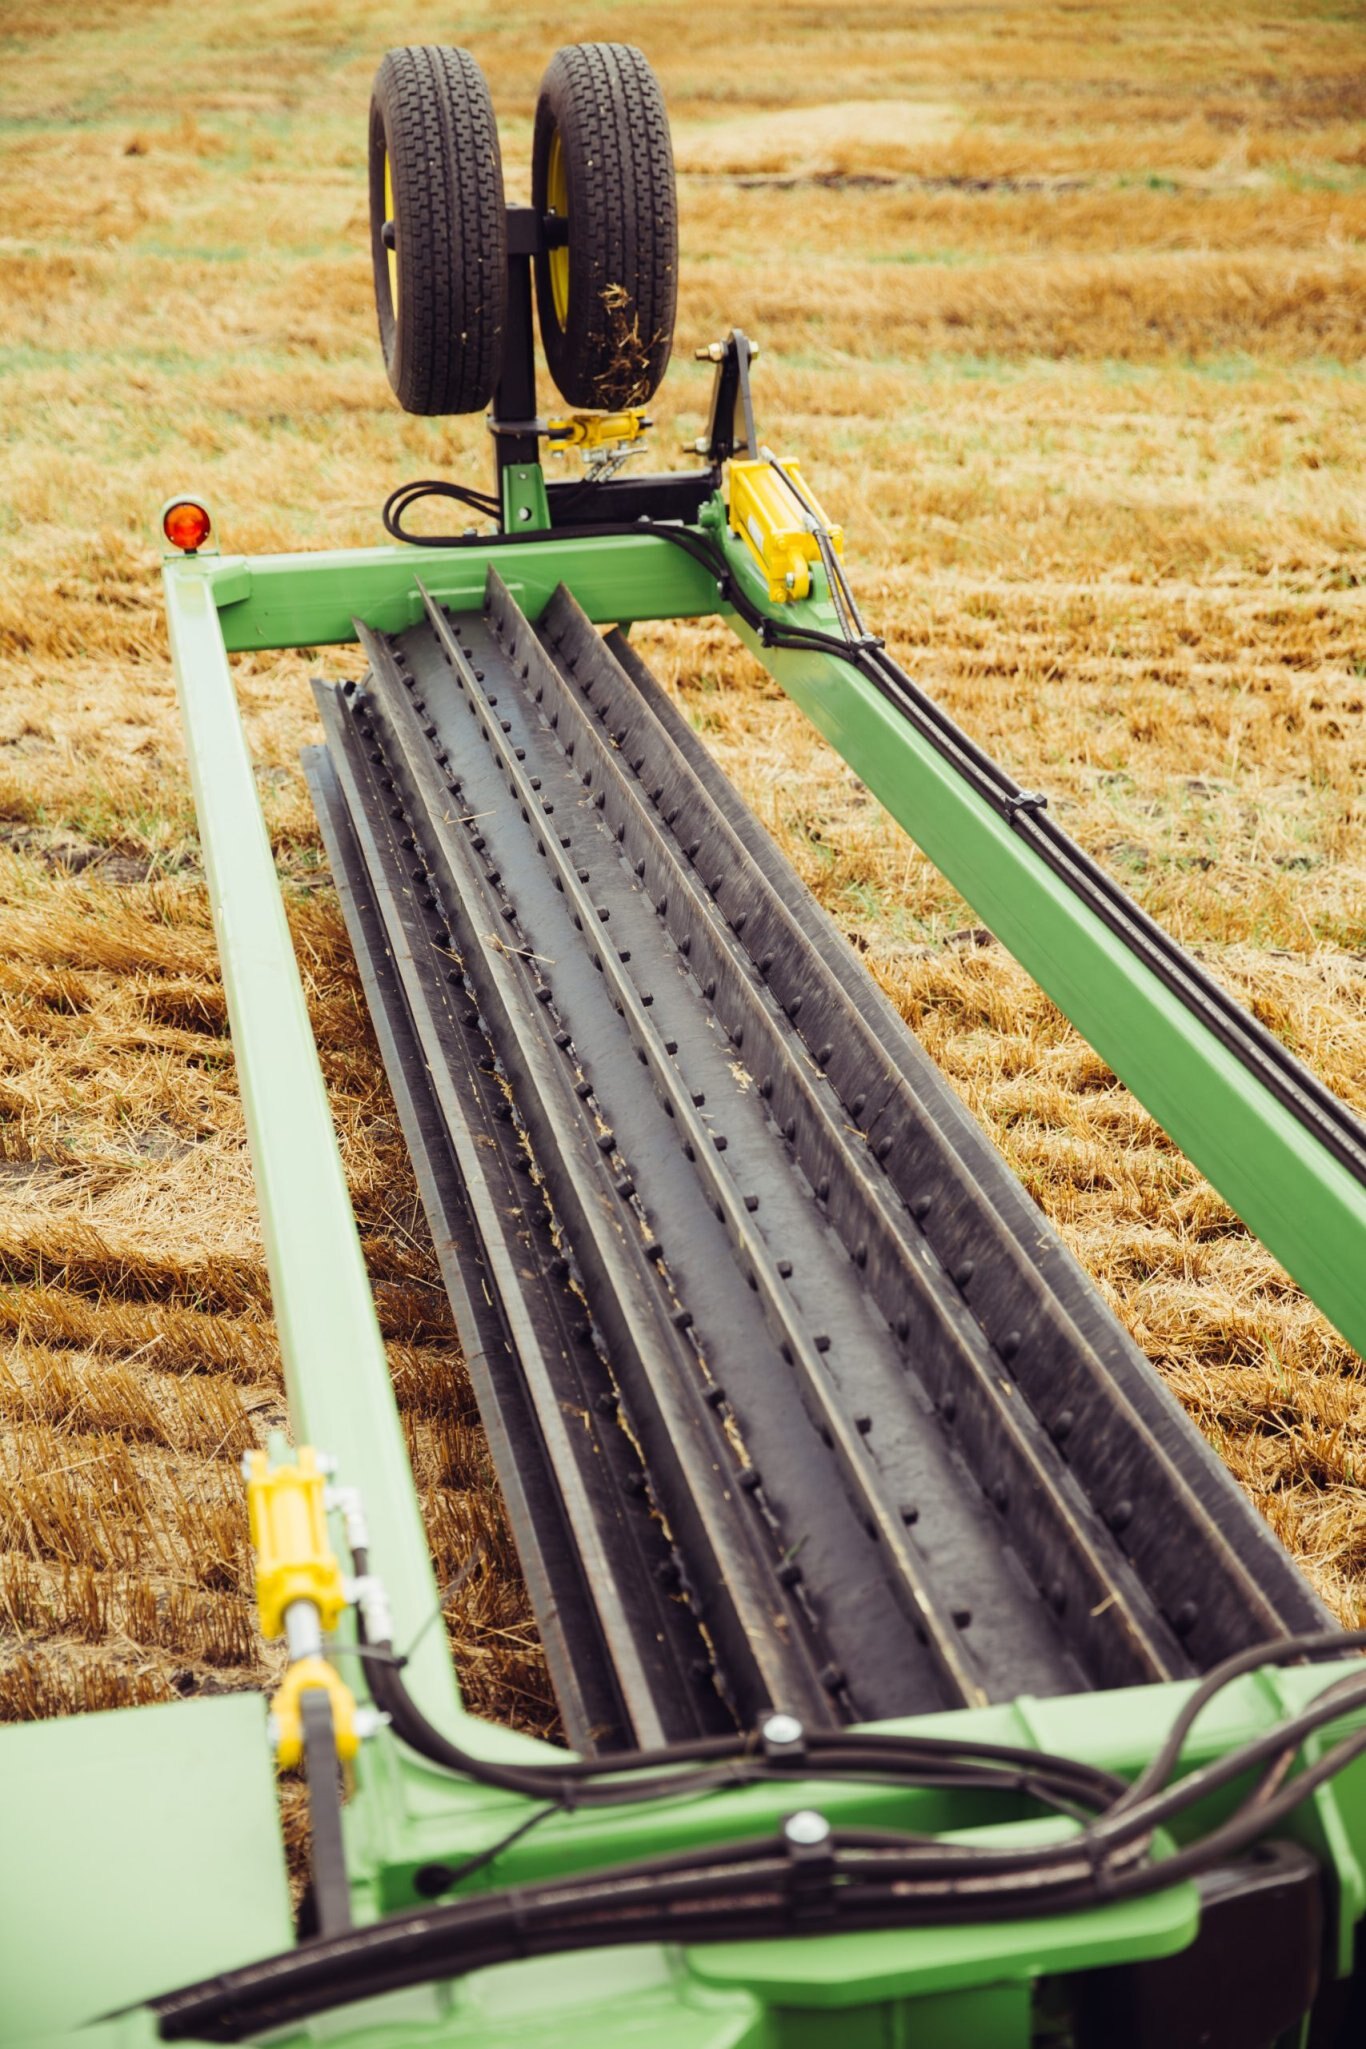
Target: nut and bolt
{"type": "Point", "coordinates": [714, 352]}
{"type": "Point", "coordinates": [806, 1829]}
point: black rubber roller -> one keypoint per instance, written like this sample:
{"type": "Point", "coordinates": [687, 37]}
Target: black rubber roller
{"type": "Point", "coordinates": [438, 229]}
{"type": "Point", "coordinates": [603, 163]}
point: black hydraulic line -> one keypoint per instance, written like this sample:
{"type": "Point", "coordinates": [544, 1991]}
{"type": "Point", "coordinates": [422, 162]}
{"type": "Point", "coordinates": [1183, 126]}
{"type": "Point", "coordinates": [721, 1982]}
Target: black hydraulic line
{"type": "Point", "coordinates": [672, 495]}
{"type": "Point", "coordinates": [1324, 1643]}
{"type": "Point", "coordinates": [430, 1881]}
{"type": "Point", "coordinates": [481, 503]}
{"type": "Point", "coordinates": [718, 1762]}
{"type": "Point", "coordinates": [330, 1892]}
{"type": "Point", "coordinates": [1131, 1812]}
{"type": "Point", "coordinates": [858, 1878]}
{"type": "Point", "coordinates": [751, 1891]}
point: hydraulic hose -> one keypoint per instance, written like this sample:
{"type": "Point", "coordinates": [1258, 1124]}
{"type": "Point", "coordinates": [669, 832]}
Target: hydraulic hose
{"type": "Point", "coordinates": [709, 1764]}
{"type": "Point", "coordinates": [812, 1881]}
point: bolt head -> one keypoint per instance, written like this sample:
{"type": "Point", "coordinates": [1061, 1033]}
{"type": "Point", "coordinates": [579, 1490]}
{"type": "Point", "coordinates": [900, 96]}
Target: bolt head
{"type": "Point", "coordinates": [806, 1828]}
{"type": "Point", "coordinates": [523, 512]}
{"type": "Point", "coordinates": [781, 1728]}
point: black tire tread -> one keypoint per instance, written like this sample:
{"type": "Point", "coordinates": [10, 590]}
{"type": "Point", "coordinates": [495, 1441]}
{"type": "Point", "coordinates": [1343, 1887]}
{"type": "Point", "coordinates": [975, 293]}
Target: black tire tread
{"type": "Point", "coordinates": [623, 230]}
{"type": "Point", "coordinates": [431, 109]}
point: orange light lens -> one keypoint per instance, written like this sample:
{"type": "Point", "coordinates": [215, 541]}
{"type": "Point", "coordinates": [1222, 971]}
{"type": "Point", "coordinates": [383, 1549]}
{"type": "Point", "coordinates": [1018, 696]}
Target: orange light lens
{"type": "Point", "coordinates": [186, 525]}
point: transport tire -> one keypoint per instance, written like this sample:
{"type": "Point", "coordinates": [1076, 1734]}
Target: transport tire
{"type": "Point", "coordinates": [601, 159]}
{"type": "Point", "coordinates": [436, 184]}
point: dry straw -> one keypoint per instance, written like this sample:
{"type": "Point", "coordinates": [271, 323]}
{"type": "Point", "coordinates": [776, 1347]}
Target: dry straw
{"type": "Point", "coordinates": [1063, 317]}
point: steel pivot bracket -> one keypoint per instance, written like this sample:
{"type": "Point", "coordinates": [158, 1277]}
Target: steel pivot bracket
{"type": "Point", "coordinates": [730, 424]}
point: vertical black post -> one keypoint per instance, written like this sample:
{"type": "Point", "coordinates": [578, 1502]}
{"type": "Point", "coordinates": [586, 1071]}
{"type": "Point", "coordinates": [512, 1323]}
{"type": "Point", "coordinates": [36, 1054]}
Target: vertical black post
{"type": "Point", "coordinates": [514, 399]}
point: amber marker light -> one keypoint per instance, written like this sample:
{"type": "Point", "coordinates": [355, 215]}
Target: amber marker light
{"type": "Point", "coordinates": [186, 525]}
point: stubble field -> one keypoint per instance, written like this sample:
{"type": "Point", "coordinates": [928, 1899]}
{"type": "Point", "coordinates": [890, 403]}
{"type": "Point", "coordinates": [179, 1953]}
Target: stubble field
{"type": "Point", "coordinates": [1062, 307]}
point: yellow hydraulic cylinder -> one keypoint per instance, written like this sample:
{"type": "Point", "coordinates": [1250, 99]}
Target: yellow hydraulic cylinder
{"type": "Point", "coordinates": [779, 529]}
{"type": "Point", "coordinates": [294, 1558]}
{"type": "Point", "coordinates": [597, 433]}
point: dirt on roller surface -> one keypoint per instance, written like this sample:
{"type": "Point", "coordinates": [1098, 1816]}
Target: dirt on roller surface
{"type": "Point", "coordinates": [1060, 309]}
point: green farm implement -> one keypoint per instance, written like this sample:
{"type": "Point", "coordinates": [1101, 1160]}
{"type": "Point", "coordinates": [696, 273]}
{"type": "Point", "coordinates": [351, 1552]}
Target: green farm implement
{"type": "Point", "coordinates": [926, 1680]}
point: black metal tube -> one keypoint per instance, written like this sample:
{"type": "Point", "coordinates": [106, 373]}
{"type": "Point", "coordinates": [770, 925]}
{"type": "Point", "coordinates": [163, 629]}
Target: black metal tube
{"type": "Point", "coordinates": [330, 1891]}
{"type": "Point", "coordinates": [514, 398]}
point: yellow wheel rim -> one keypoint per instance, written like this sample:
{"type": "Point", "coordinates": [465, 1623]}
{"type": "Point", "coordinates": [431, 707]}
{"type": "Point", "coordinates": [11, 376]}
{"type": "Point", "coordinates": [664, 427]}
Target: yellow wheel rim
{"type": "Point", "coordinates": [389, 215]}
{"type": "Point", "coordinates": [557, 202]}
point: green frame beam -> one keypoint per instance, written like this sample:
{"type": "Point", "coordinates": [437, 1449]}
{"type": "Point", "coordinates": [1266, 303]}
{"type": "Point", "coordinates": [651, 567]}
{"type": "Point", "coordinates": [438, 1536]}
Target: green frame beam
{"type": "Point", "coordinates": [340, 1395]}
{"type": "Point", "coordinates": [276, 601]}
{"type": "Point", "coordinates": [1288, 1188]}
{"type": "Point", "coordinates": [173, 1792]}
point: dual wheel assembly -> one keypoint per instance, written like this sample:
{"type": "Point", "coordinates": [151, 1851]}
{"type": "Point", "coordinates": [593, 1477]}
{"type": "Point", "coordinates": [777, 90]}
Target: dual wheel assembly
{"type": "Point", "coordinates": [602, 185]}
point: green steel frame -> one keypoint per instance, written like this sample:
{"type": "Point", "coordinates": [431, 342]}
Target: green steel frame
{"type": "Point", "coordinates": [959, 1986]}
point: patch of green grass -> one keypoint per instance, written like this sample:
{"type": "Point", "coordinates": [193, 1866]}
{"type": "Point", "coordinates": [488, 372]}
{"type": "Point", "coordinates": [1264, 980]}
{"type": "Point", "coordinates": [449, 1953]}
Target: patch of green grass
{"type": "Point", "coordinates": [212, 252]}
{"type": "Point", "coordinates": [1323, 178]}
{"type": "Point", "coordinates": [953, 259]}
